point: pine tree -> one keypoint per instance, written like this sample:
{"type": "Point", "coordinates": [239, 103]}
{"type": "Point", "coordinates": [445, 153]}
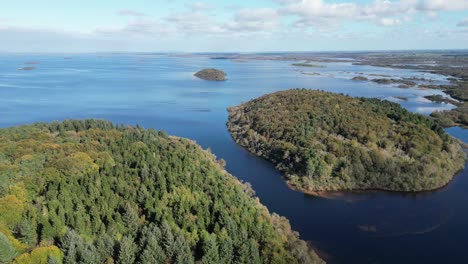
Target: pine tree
{"type": "Point", "coordinates": [254, 255]}
{"type": "Point", "coordinates": [226, 251]}
{"type": "Point", "coordinates": [7, 251]}
{"type": "Point", "coordinates": [183, 254]}
{"type": "Point", "coordinates": [69, 244]}
{"type": "Point", "coordinates": [131, 219]}
{"type": "Point", "coordinates": [210, 249]}
{"type": "Point", "coordinates": [27, 232]}
{"type": "Point", "coordinates": [52, 260]}
{"type": "Point", "coordinates": [127, 251]}
{"type": "Point", "coordinates": [89, 255]}
{"type": "Point", "coordinates": [167, 239]}
{"type": "Point", "coordinates": [105, 247]}
{"type": "Point", "coordinates": [70, 255]}
{"type": "Point", "coordinates": [242, 254]}
{"type": "Point", "coordinates": [152, 253]}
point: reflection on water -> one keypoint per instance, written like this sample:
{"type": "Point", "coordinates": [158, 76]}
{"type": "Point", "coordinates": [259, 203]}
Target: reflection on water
{"type": "Point", "coordinates": [161, 92]}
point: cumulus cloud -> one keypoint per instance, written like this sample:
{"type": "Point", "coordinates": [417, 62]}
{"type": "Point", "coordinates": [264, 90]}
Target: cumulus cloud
{"type": "Point", "coordinates": [441, 5]}
{"type": "Point", "coordinates": [194, 22]}
{"type": "Point", "coordinates": [309, 8]}
{"type": "Point", "coordinates": [307, 18]}
{"type": "Point", "coordinates": [323, 14]}
{"type": "Point", "coordinates": [382, 12]}
{"type": "Point", "coordinates": [254, 20]}
{"type": "Point", "coordinates": [198, 19]}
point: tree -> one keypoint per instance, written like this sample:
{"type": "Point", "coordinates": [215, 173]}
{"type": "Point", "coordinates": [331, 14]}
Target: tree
{"type": "Point", "coordinates": [226, 251]}
{"type": "Point", "coordinates": [127, 251]}
{"type": "Point", "coordinates": [70, 245]}
{"type": "Point", "coordinates": [52, 260]}
{"type": "Point", "coordinates": [182, 254]}
{"type": "Point", "coordinates": [88, 254]}
{"type": "Point", "coordinates": [167, 239]}
{"type": "Point", "coordinates": [210, 249]}
{"type": "Point", "coordinates": [7, 251]}
{"type": "Point", "coordinates": [130, 218]}
{"type": "Point", "coordinates": [152, 251]}
{"type": "Point", "coordinates": [105, 247]}
{"type": "Point", "coordinates": [27, 232]}
{"type": "Point", "coordinates": [241, 254]}
{"type": "Point", "coordinates": [254, 256]}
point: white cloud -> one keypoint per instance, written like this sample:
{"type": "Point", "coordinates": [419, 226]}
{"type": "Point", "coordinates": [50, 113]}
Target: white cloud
{"type": "Point", "coordinates": [254, 20]}
{"type": "Point", "coordinates": [389, 22]}
{"type": "Point", "coordinates": [382, 12]}
{"type": "Point", "coordinates": [197, 20]}
{"type": "Point", "coordinates": [309, 8]}
{"type": "Point", "coordinates": [441, 5]}
{"type": "Point", "coordinates": [320, 13]}
{"type": "Point", "coordinates": [208, 24]}
{"type": "Point", "coordinates": [194, 22]}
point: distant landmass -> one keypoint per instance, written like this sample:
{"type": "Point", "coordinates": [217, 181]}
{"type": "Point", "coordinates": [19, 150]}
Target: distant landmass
{"type": "Point", "coordinates": [28, 68]}
{"type": "Point", "coordinates": [211, 75]}
{"type": "Point", "coordinates": [94, 192]}
{"type": "Point", "coordinates": [325, 141]}
{"type": "Point", "coordinates": [359, 78]}
{"type": "Point", "coordinates": [308, 65]}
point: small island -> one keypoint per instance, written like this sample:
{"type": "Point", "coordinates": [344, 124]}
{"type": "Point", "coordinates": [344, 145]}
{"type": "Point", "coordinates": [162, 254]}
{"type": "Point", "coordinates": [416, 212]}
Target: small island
{"type": "Point", "coordinates": [308, 65]}
{"type": "Point", "coordinates": [405, 82]}
{"type": "Point", "coordinates": [438, 98]}
{"type": "Point", "coordinates": [402, 98]}
{"type": "Point", "coordinates": [330, 142]}
{"type": "Point", "coordinates": [211, 75]}
{"type": "Point", "coordinates": [359, 78]}
{"type": "Point", "coordinates": [28, 68]}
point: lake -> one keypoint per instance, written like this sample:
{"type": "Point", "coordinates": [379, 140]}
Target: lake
{"type": "Point", "coordinates": [158, 91]}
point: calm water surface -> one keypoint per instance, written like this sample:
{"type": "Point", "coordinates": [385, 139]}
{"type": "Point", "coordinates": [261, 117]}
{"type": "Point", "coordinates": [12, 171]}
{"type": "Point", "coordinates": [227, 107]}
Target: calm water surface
{"type": "Point", "coordinates": [160, 92]}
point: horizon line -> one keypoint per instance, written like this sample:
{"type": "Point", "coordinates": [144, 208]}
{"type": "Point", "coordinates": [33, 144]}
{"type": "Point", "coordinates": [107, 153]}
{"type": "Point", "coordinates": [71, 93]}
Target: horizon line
{"type": "Point", "coordinates": [236, 52]}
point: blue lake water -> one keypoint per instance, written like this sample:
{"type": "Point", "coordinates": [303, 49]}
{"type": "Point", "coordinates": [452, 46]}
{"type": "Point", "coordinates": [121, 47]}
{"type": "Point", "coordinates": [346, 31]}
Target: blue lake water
{"type": "Point", "coordinates": [160, 92]}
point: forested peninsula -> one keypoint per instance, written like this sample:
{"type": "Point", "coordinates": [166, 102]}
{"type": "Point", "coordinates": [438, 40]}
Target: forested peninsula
{"type": "Point", "coordinates": [328, 142]}
{"type": "Point", "coordinates": [93, 192]}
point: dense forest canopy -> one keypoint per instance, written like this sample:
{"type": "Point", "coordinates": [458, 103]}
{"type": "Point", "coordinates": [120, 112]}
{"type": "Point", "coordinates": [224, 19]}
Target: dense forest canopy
{"type": "Point", "coordinates": [325, 141]}
{"type": "Point", "coordinates": [92, 192]}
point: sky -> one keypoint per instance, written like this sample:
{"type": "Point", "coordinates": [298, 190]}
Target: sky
{"type": "Point", "coordinates": [231, 25]}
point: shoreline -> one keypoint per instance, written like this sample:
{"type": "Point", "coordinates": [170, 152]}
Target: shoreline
{"type": "Point", "coordinates": [340, 194]}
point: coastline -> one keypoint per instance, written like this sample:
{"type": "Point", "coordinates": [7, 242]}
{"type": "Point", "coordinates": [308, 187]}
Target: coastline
{"type": "Point", "coordinates": [340, 194]}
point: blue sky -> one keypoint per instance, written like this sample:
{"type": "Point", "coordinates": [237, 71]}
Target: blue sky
{"type": "Point", "coordinates": [230, 25]}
